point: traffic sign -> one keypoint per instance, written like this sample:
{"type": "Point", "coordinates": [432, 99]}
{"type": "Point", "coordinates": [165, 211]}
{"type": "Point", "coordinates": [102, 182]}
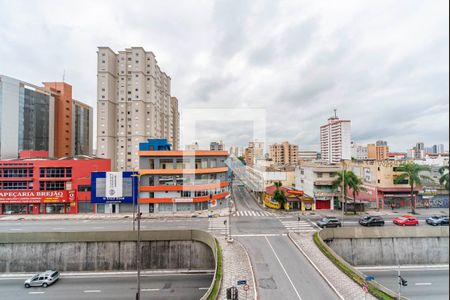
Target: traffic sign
{"type": "Point", "coordinates": [242, 282]}
{"type": "Point", "coordinates": [246, 287]}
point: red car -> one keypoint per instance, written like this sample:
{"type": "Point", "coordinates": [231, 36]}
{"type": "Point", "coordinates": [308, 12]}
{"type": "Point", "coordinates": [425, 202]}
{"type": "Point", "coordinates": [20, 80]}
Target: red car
{"type": "Point", "coordinates": [406, 221]}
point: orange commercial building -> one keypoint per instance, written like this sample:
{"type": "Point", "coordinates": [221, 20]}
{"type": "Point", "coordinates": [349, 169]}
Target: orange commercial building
{"type": "Point", "coordinates": [377, 152]}
{"type": "Point", "coordinates": [181, 180]}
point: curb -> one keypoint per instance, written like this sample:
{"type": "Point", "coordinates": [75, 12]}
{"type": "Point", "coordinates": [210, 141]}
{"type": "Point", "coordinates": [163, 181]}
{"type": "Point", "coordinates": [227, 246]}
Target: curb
{"type": "Point", "coordinates": [251, 269]}
{"type": "Point", "coordinates": [315, 267]}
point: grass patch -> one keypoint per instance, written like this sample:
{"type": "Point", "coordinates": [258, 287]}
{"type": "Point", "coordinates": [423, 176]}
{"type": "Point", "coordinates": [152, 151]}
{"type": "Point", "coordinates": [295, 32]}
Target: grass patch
{"type": "Point", "coordinates": [218, 279]}
{"type": "Point", "coordinates": [349, 272]}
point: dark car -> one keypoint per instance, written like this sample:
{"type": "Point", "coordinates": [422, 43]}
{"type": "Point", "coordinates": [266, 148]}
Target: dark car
{"type": "Point", "coordinates": [329, 222]}
{"type": "Point", "coordinates": [371, 221]}
{"type": "Point", "coordinates": [437, 220]}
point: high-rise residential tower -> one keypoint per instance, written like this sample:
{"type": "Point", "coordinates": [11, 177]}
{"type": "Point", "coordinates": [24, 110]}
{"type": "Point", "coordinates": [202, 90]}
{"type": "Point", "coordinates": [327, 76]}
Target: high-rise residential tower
{"type": "Point", "coordinates": [335, 140]}
{"type": "Point", "coordinates": [82, 130]}
{"type": "Point", "coordinates": [284, 153]}
{"type": "Point", "coordinates": [134, 105]}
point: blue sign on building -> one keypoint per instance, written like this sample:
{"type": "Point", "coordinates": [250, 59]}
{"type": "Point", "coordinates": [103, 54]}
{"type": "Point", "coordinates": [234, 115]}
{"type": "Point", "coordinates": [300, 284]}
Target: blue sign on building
{"type": "Point", "coordinates": [128, 187]}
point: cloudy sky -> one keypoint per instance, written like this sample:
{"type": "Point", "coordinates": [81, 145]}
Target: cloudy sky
{"type": "Point", "coordinates": [382, 64]}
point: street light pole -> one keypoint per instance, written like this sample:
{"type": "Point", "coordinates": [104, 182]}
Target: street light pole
{"type": "Point", "coordinates": [138, 247]}
{"type": "Point", "coordinates": [134, 204]}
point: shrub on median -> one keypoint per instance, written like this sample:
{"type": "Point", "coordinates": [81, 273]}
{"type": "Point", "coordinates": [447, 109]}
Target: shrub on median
{"type": "Point", "coordinates": [349, 272]}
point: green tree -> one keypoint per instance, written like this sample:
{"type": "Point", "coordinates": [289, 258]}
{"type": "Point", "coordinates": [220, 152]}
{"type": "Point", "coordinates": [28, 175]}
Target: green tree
{"type": "Point", "coordinates": [411, 171]}
{"type": "Point", "coordinates": [444, 178]}
{"type": "Point", "coordinates": [343, 181]}
{"type": "Point", "coordinates": [356, 184]}
{"type": "Point", "coordinates": [279, 196]}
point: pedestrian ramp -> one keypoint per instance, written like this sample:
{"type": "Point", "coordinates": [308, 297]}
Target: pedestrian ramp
{"type": "Point", "coordinates": [253, 213]}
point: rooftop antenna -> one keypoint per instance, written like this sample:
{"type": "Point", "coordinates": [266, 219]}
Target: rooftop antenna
{"type": "Point", "coordinates": [335, 115]}
{"type": "Point", "coordinates": [64, 75]}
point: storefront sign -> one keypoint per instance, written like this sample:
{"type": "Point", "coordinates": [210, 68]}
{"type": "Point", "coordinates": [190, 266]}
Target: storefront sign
{"type": "Point", "coordinates": [183, 200]}
{"type": "Point", "coordinates": [114, 184]}
{"type": "Point", "coordinates": [37, 196]}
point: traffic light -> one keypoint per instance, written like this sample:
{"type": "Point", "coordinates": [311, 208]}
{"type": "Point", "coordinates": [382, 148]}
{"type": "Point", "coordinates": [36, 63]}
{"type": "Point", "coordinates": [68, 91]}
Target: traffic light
{"type": "Point", "coordinates": [402, 281]}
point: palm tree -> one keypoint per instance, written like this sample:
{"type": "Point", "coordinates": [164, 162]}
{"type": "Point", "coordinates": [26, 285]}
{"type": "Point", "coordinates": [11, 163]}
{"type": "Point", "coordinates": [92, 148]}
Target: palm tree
{"type": "Point", "coordinates": [356, 185]}
{"type": "Point", "coordinates": [411, 172]}
{"type": "Point", "coordinates": [343, 181]}
{"type": "Point", "coordinates": [444, 178]}
{"type": "Point", "coordinates": [279, 196]}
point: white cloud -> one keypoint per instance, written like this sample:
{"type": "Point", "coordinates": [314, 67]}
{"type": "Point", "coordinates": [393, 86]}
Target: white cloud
{"type": "Point", "coordinates": [382, 64]}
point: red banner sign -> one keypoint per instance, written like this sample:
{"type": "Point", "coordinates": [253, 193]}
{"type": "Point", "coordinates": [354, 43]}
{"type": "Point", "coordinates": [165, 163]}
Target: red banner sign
{"type": "Point", "coordinates": [23, 196]}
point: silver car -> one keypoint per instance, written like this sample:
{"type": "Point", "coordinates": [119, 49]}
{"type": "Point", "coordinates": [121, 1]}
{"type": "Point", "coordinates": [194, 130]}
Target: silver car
{"type": "Point", "coordinates": [43, 279]}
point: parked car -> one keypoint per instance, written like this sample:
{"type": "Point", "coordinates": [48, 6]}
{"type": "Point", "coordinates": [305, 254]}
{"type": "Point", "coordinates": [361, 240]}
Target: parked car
{"type": "Point", "coordinates": [371, 221]}
{"type": "Point", "coordinates": [44, 279]}
{"type": "Point", "coordinates": [437, 220]}
{"type": "Point", "coordinates": [406, 221]}
{"type": "Point", "coordinates": [329, 222]}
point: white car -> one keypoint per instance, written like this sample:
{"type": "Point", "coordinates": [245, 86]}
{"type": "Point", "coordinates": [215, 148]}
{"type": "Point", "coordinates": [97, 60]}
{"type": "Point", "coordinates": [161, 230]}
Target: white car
{"type": "Point", "coordinates": [44, 279]}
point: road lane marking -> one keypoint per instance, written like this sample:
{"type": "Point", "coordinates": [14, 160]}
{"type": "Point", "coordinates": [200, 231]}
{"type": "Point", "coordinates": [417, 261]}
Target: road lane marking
{"type": "Point", "coordinates": [32, 293]}
{"type": "Point", "coordinates": [287, 275]}
{"type": "Point", "coordinates": [149, 290]}
{"type": "Point", "coordinates": [204, 288]}
{"type": "Point", "coordinates": [92, 291]}
{"type": "Point", "coordinates": [259, 234]}
{"type": "Point", "coordinates": [423, 283]}
{"type": "Point", "coordinates": [16, 229]}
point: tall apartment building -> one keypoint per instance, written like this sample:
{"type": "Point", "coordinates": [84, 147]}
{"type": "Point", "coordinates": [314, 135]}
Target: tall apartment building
{"type": "Point", "coordinates": [253, 152]}
{"type": "Point", "coordinates": [38, 118]}
{"type": "Point", "coordinates": [216, 146]}
{"type": "Point", "coordinates": [82, 130]}
{"type": "Point", "coordinates": [419, 151]}
{"type": "Point", "coordinates": [379, 151]}
{"type": "Point", "coordinates": [63, 117]}
{"type": "Point", "coordinates": [134, 105]}
{"type": "Point", "coordinates": [237, 151]}
{"type": "Point", "coordinates": [284, 153]}
{"type": "Point", "coordinates": [335, 140]}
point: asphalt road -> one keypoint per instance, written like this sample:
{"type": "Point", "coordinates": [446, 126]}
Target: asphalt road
{"type": "Point", "coordinates": [423, 284]}
{"type": "Point", "coordinates": [118, 286]}
{"type": "Point", "coordinates": [281, 271]}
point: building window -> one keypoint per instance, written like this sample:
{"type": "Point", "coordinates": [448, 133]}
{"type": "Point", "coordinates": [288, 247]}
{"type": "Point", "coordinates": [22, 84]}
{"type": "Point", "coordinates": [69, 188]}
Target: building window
{"type": "Point", "coordinates": [51, 185]}
{"type": "Point", "coordinates": [84, 188]}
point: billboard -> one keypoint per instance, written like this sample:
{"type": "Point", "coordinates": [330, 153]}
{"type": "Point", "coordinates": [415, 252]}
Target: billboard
{"type": "Point", "coordinates": [15, 196]}
{"type": "Point", "coordinates": [113, 187]}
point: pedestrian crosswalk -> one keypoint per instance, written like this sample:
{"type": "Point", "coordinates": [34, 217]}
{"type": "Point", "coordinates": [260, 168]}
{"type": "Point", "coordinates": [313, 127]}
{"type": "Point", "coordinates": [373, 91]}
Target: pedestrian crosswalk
{"type": "Point", "coordinates": [218, 226]}
{"type": "Point", "coordinates": [253, 213]}
{"type": "Point", "coordinates": [298, 226]}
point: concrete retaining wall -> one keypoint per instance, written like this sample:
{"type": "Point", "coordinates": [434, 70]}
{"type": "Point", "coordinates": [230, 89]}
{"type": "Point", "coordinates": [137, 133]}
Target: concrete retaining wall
{"type": "Point", "coordinates": [382, 246]}
{"type": "Point", "coordinates": [99, 251]}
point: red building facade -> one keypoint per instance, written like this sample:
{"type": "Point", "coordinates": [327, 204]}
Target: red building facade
{"type": "Point", "coordinates": [44, 185]}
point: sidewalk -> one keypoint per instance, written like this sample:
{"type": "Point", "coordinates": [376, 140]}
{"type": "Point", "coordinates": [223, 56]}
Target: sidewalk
{"type": "Point", "coordinates": [420, 212]}
{"type": "Point", "coordinates": [102, 216]}
{"type": "Point", "coordinates": [236, 266]}
{"type": "Point", "coordinates": [346, 287]}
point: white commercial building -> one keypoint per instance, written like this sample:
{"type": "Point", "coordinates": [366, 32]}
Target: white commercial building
{"type": "Point", "coordinates": [335, 140]}
{"type": "Point", "coordinates": [359, 152]}
{"type": "Point", "coordinates": [134, 104]}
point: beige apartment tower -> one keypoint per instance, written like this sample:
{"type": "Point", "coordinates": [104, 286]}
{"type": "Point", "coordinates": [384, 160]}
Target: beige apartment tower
{"type": "Point", "coordinates": [284, 153]}
{"type": "Point", "coordinates": [133, 104]}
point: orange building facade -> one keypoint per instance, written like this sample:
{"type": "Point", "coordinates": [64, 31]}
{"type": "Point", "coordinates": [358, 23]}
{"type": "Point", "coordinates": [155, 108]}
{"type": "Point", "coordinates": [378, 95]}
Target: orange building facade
{"type": "Point", "coordinates": [63, 117]}
{"type": "Point", "coordinates": [173, 181]}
